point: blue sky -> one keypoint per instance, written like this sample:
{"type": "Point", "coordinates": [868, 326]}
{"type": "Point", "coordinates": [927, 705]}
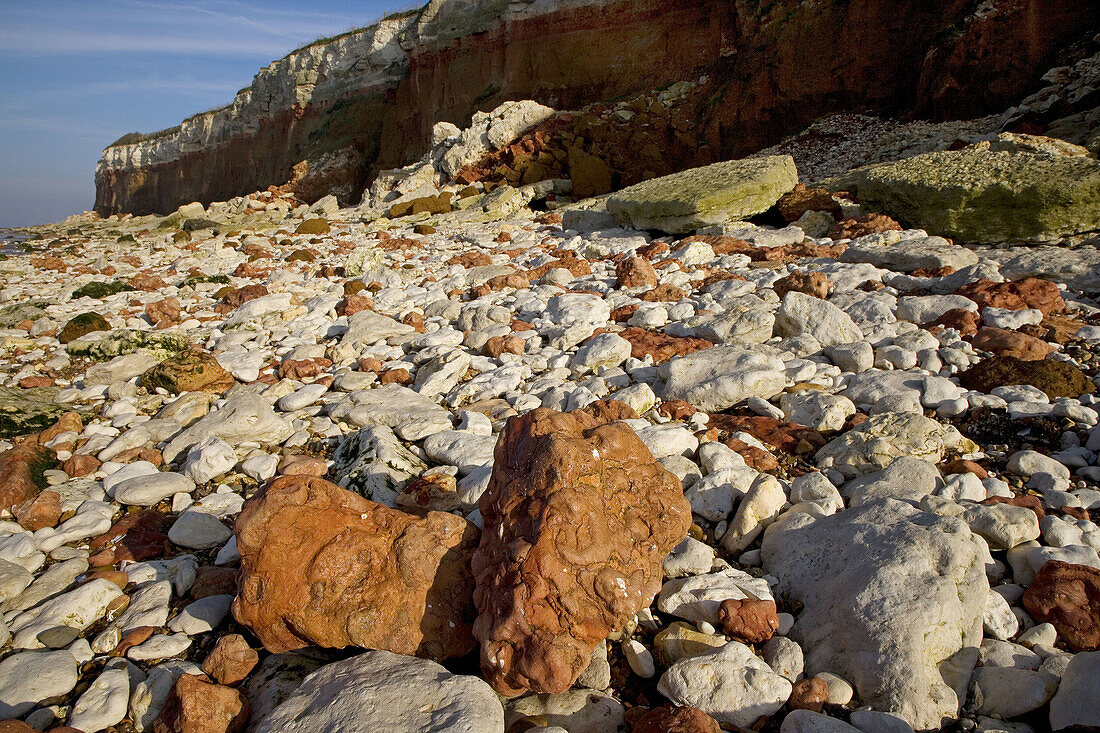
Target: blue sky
{"type": "Point", "coordinates": [75, 75]}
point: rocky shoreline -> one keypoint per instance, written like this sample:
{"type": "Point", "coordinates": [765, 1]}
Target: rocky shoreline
{"type": "Point", "coordinates": [719, 450]}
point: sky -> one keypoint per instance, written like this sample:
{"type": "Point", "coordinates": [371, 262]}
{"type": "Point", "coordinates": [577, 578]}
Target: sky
{"type": "Point", "coordinates": [76, 75]}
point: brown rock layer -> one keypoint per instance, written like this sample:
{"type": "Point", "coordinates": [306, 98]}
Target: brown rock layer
{"type": "Point", "coordinates": [321, 565]}
{"type": "Point", "coordinates": [578, 517]}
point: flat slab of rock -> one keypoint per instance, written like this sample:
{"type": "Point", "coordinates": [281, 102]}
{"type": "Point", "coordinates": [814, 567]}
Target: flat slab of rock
{"type": "Point", "coordinates": [892, 596]}
{"type": "Point", "coordinates": [378, 691]}
{"type": "Point", "coordinates": [245, 417]}
{"type": "Point", "coordinates": [717, 378]}
{"type": "Point", "coordinates": [682, 202]}
{"type": "Point", "coordinates": [979, 195]}
{"type": "Point", "coordinates": [321, 565]}
{"type": "Point", "coordinates": [409, 414]}
{"type": "Point", "coordinates": [578, 517]}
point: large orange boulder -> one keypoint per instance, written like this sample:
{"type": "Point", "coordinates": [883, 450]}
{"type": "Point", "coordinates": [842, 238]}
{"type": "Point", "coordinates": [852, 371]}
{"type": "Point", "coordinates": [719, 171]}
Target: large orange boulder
{"type": "Point", "coordinates": [1067, 596]}
{"type": "Point", "coordinates": [321, 565]}
{"type": "Point", "coordinates": [197, 706]}
{"type": "Point", "coordinates": [578, 516]}
{"type": "Point", "coordinates": [636, 272]}
{"type": "Point", "coordinates": [1031, 292]}
{"type": "Point", "coordinates": [20, 466]}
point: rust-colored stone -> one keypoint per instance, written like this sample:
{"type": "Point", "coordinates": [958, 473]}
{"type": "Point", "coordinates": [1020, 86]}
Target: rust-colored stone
{"type": "Point", "coordinates": [117, 577]}
{"type": "Point", "coordinates": [438, 492]}
{"type": "Point", "coordinates": [661, 346]}
{"type": "Point", "coordinates": [1011, 343]}
{"type": "Point", "coordinates": [137, 636]}
{"type": "Point", "coordinates": [321, 565]}
{"type": "Point", "coordinates": [605, 411]}
{"type": "Point", "coordinates": [578, 517]}
{"type": "Point", "coordinates": [398, 375]}
{"type": "Point", "coordinates": [231, 659]}
{"type": "Point", "coordinates": [676, 720]}
{"type": "Point", "coordinates": [754, 457]}
{"type": "Point", "coordinates": [497, 345]}
{"type": "Point", "coordinates": [370, 364]}
{"type": "Point", "coordinates": [809, 694]}
{"type": "Point", "coordinates": [303, 368]}
{"type": "Point", "coordinates": [664, 294]}
{"type": "Point", "coordinates": [237, 297]}
{"type": "Point", "coordinates": [964, 321]}
{"type": "Point", "coordinates": [147, 282]}
{"type": "Point", "coordinates": [299, 465]}
{"type": "Point", "coordinates": [1026, 501]}
{"type": "Point", "coordinates": [1031, 292]}
{"type": "Point", "coordinates": [786, 436]}
{"type": "Point", "coordinates": [351, 304]}
{"type": "Point", "coordinates": [515, 280]}
{"type": "Point", "coordinates": [35, 382]}
{"type": "Point", "coordinates": [811, 283]}
{"type": "Point", "coordinates": [16, 726]}
{"type": "Point", "coordinates": [1067, 596]}
{"type": "Point", "coordinates": [748, 620]}
{"type": "Point", "coordinates": [42, 510]}
{"type": "Point", "coordinates": [197, 706]}
{"type": "Point", "coordinates": [677, 409]}
{"type": "Point", "coordinates": [796, 202]}
{"type": "Point", "coordinates": [636, 272]}
{"type": "Point", "coordinates": [136, 536]}
{"type": "Point", "coordinates": [961, 465]}
{"type": "Point", "coordinates": [471, 258]}
{"type": "Point", "coordinates": [20, 465]}
{"type": "Point", "coordinates": [80, 465]}
{"type": "Point", "coordinates": [864, 225]}
{"type": "Point", "coordinates": [163, 313]}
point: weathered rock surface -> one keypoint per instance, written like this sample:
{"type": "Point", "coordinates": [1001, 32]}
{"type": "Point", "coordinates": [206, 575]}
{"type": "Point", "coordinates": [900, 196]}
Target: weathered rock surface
{"type": "Point", "coordinates": [377, 691]}
{"type": "Point", "coordinates": [895, 618]}
{"type": "Point", "coordinates": [578, 517]}
{"type": "Point", "coordinates": [1067, 596]}
{"type": "Point", "coordinates": [374, 577]}
{"type": "Point", "coordinates": [700, 197]}
{"type": "Point", "coordinates": [980, 195]}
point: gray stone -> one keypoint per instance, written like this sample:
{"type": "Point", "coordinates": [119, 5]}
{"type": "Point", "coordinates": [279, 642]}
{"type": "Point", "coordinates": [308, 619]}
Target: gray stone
{"type": "Point", "coordinates": [717, 378]}
{"type": "Point", "coordinates": [381, 691]}
{"type": "Point", "coordinates": [1077, 701]}
{"type": "Point", "coordinates": [374, 463]}
{"type": "Point", "coordinates": [29, 677]}
{"type": "Point", "coordinates": [892, 617]}
{"type": "Point", "coordinates": [246, 417]}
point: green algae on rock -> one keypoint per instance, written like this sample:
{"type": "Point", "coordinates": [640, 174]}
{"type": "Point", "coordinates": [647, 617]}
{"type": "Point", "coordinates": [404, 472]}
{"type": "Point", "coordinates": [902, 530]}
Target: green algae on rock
{"type": "Point", "coordinates": [190, 371]}
{"type": "Point", "coordinates": [126, 341]}
{"type": "Point", "coordinates": [983, 195]}
{"type": "Point", "coordinates": [700, 197]}
{"type": "Point", "coordinates": [82, 325]}
{"type": "Point", "coordinates": [1055, 378]}
{"type": "Point", "coordinates": [99, 290]}
{"type": "Point", "coordinates": [25, 411]}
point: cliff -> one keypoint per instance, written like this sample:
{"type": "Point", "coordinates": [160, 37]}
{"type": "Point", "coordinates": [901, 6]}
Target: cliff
{"type": "Point", "coordinates": [333, 113]}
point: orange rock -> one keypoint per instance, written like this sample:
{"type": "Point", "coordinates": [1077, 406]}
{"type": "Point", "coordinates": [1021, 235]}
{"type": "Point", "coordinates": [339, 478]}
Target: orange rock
{"type": "Point", "coordinates": [352, 304]}
{"type": "Point", "coordinates": [16, 726]}
{"type": "Point", "coordinates": [163, 313]}
{"type": "Point", "coordinates": [296, 465]}
{"type": "Point", "coordinates": [211, 580]}
{"type": "Point", "coordinates": [809, 694]}
{"type": "Point", "coordinates": [964, 321]}
{"type": "Point", "coordinates": [664, 294]}
{"type": "Point", "coordinates": [661, 346]}
{"type": "Point", "coordinates": [754, 457]}
{"type": "Point", "coordinates": [43, 510]}
{"type": "Point", "coordinates": [117, 577]}
{"type": "Point", "coordinates": [960, 465]}
{"type": "Point", "coordinates": [395, 376]}
{"type": "Point", "coordinates": [1010, 343]}
{"type": "Point", "coordinates": [497, 345]}
{"type": "Point", "coordinates": [676, 720]}
{"type": "Point", "coordinates": [578, 517]}
{"type": "Point", "coordinates": [864, 225]}
{"type": "Point", "coordinates": [748, 620]}
{"type": "Point", "coordinates": [237, 297]}
{"type": "Point", "coordinates": [1027, 501]}
{"type": "Point", "coordinates": [231, 659]}
{"type": "Point", "coordinates": [138, 636]}
{"type": "Point", "coordinates": [321, 565]}
{"type": "Point", "coordinates": [19, 466]}
{"type": "Point", "coordinates": [1067, 596]}
{"type": "Point", "coordinates": [35, 382]}
{"type": "Point", "coordinates": [677, 409]}
{"type": "Point", "coordinates": [811, 283]}
{"type": "Point", "coordinates": [796, 202]}
{"type": "Point", "coordinates": [370, 364]}
{"type": "Point", "coordinates": [786, 436]}
{"type": "Point", "coordinates": [197, 706]}
{"type": "Point", "coordinates": [636, 272]}
{"type": "Point", "coordinates": [1031, 292]}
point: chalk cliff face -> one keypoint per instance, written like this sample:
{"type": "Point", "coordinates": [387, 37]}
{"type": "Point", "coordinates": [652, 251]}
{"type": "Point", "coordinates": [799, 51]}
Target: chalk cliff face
{"type": "Point", "coordinates": [367, 100]}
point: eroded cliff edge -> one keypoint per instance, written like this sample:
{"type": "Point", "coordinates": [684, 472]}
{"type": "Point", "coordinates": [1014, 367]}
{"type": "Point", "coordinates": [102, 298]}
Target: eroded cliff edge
{"type": "Point", "coordinates": [341, 109]}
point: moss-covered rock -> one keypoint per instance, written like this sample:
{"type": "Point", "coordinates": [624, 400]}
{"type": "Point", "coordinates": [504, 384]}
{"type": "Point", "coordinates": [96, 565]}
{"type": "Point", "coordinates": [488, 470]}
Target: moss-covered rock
{"type": "Point", "coordinates": [1055, 378]}
{"type": "Point", "coordinates": [99, 290]}
{"type": "Point", "coordinates": [13, 315]}
{"type": "Point", "coordinates": [194, 225]}
{"type": "Point", "coordinates": [25, 411]}
{"type": "Point", "coordinates": [700, 197]}
{"type": "Point", "coordinates": [82, 325]}
{"type": "Point", "coordinates": [194, 280]}
{"type": "Point", "coordinates": [318, 225]}
{"type": "Point", "coordinates": [982, 195]}
{"type": "Point", "coordinates": [189, 371]}
{"type": "Point", "coordinates": [126, 341]}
